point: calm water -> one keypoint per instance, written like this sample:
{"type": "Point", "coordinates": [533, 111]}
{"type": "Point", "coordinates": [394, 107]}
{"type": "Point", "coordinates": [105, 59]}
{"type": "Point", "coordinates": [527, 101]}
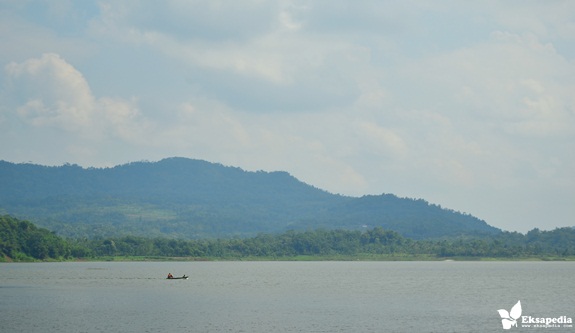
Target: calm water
{"type": "Point", "coordinates": [281, 296]}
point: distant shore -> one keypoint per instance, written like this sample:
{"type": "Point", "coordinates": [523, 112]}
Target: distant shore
{"type": "Point", "coordinates": [366, 257]}
{"type": "Point", "coordinates": [358, 257]}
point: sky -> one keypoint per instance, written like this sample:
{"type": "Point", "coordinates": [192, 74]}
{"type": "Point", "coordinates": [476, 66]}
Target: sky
{"type": "Point", "coordinates": [468, 105]}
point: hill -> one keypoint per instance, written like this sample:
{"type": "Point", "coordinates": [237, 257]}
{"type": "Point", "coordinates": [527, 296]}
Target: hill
{"type": "Point", "coordinates": [23, 241]}
{"type": "Point", "coordinates": [186, 198]}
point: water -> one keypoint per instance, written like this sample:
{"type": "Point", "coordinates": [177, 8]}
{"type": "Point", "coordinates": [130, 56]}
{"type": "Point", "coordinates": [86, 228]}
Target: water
{"type": "Point", "coordinates": [281, 296]}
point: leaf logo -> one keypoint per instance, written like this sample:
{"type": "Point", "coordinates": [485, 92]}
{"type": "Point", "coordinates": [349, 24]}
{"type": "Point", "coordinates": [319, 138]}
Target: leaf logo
{"type": "Point", "coordinates": [509, 319]}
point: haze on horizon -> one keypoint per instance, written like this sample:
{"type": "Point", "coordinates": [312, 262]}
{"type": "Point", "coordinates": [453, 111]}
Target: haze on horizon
{"type": "Point", "coordinates": [466, 105]}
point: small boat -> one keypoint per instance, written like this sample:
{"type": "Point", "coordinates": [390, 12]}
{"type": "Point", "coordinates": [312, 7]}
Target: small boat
{"type": "Point", "coordinates": [178, 277]}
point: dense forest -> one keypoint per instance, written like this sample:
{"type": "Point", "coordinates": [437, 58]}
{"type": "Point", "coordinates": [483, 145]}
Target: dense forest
{"type": "Point", "coordinates": [193, 199]}
{"type": "Point", "coordinates": [23, 241]}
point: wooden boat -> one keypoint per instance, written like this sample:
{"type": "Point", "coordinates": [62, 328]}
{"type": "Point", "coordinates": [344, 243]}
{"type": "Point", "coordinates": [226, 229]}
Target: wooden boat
{"type": "Point", "coordinates": [178, 277]}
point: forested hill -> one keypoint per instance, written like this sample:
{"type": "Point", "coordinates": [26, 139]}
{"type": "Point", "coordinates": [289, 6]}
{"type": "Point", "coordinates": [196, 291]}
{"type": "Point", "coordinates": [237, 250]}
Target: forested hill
{"type": "Point", "coordinates": [185, 198]}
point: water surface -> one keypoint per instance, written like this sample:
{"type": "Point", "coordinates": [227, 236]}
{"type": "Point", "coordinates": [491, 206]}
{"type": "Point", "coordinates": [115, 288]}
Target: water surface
{"type": "Point", "coordinates": [280, 296]}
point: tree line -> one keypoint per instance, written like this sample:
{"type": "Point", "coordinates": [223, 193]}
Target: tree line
{"type": "Point", "coordinates": [22, 240]}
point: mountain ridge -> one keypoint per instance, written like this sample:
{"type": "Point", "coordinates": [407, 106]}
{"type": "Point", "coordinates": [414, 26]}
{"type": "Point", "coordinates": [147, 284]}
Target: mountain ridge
{"type": "Point", "coordinates": [188, 198]}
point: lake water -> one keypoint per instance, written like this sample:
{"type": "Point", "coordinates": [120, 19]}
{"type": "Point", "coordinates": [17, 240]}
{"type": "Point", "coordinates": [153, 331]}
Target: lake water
{"type": "Point", "coordinates": [281, 296]}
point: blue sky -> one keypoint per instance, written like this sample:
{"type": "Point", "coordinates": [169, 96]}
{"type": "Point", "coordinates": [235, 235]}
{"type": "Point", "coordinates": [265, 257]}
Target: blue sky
{"type": "Point", "coordinates": [467, 105]}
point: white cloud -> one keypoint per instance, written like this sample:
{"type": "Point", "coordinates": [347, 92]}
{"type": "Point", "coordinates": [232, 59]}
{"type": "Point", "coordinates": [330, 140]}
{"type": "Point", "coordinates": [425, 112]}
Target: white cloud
{"type": "Point", "coordinates": [272, 68]}
{"type": "Point", "coordinates": [52, 93]}
{"type": "Point", "coordinates": [49, 92]}
{"type": "Point", "coordinates": [382, 140]}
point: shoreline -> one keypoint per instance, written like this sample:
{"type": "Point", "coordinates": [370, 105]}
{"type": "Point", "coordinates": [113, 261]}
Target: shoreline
{"type": "Point", "coordinates": [361, 257]}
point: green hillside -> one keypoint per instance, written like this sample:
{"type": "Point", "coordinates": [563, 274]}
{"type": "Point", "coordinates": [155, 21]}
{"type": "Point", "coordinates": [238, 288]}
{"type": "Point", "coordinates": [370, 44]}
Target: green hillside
{"type": "Point", "coordinates": [23, 241]}
{"type": "Point", "coordinates": [191, 199]}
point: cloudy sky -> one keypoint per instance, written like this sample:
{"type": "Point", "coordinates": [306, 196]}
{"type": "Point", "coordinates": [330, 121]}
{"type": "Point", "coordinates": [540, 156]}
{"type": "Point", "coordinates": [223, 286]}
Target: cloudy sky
{"type": "Point", "coordinates": [469, 105]}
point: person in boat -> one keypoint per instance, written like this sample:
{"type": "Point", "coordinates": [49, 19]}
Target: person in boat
{"type": "Point", "coordinates": [170, 276]}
